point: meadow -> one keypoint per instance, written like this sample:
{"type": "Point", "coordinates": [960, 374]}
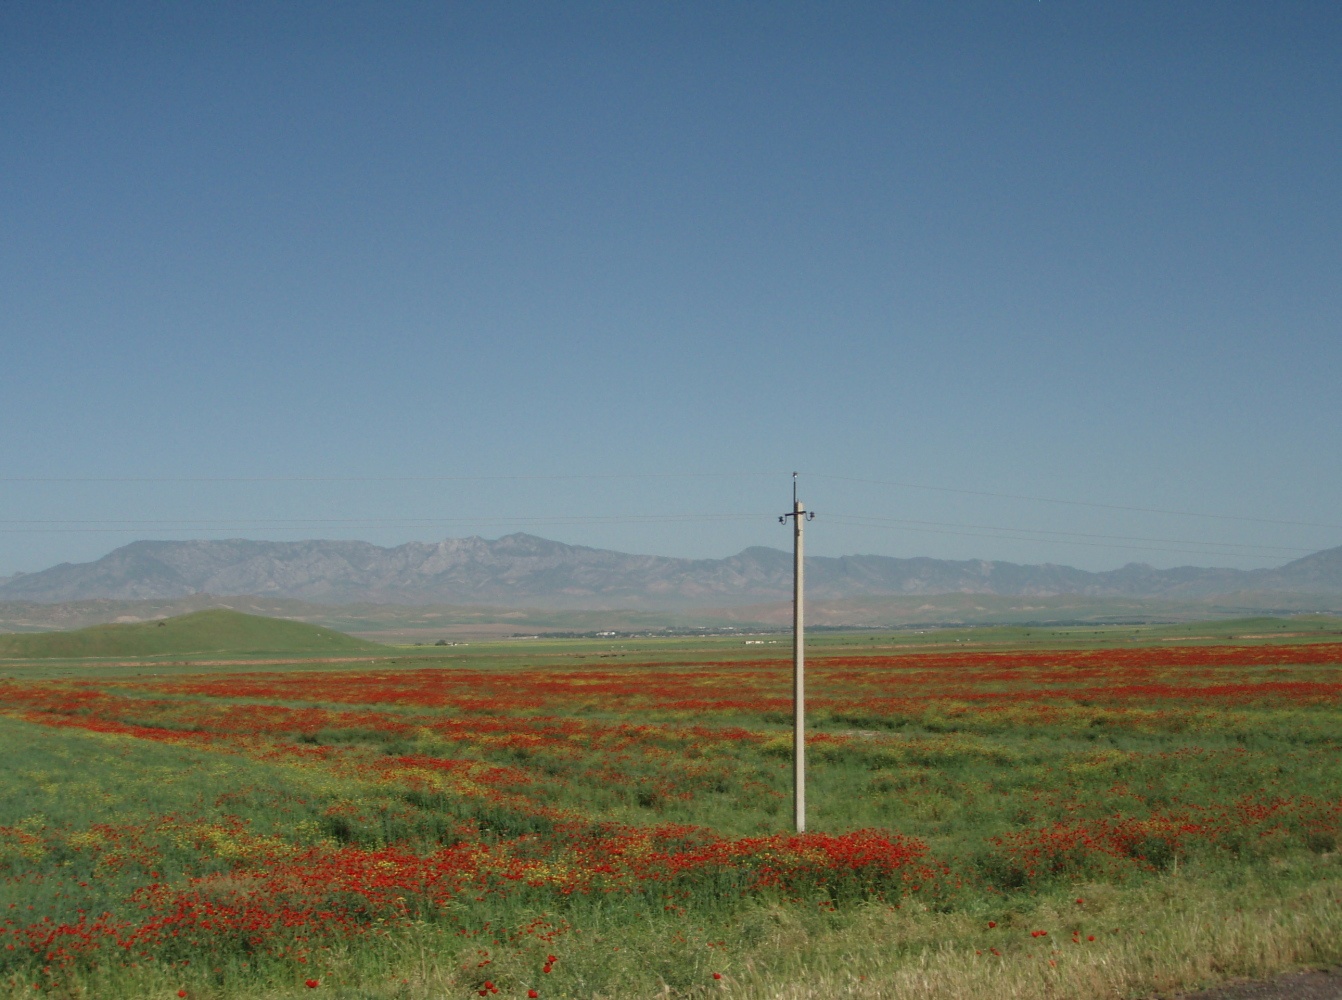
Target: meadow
{"type": "Point", "coordinates": [1007, 813]}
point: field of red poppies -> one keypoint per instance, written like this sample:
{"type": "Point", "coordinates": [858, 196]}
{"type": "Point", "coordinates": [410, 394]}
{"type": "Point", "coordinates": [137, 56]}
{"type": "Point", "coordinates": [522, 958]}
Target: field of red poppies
{"type": "Point", "coordinates": [587, 825]}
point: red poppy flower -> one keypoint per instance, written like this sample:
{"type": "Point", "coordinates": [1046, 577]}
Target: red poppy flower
{"type": "Point", "coordinates": [717, 975]}
{"type": "Point", "coordinates": [312, 984]}
{"type": "Point", "coordinates": [992, 923]}
{"type": "Point", "coordinates": [532, 994]}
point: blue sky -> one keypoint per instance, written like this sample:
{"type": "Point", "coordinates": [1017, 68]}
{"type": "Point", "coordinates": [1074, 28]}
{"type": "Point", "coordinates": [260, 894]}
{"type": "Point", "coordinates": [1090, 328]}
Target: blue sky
{"type": "Point", "coordinates": [394, 271]}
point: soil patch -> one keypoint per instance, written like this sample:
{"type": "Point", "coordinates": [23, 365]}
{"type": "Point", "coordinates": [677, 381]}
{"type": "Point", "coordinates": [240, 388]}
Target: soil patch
{"type": "Point", "coordinates": [1325, 984]}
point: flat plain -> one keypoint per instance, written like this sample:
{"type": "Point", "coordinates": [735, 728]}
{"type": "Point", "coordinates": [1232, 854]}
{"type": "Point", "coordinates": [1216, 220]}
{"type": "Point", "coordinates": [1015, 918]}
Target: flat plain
{"type": "Point", "coordinates": [1006, 812]}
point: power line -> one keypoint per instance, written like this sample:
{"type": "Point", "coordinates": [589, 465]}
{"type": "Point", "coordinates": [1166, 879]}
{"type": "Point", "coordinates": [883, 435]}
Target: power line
{"type": "Point", "coordinates": [600, 477]}
{"type": "Point", "coordinates": [214, 526]}
{"type": "Point", "coordinates": [384, 479]}
{"type": "Point", "coordinates": [1073, 503]}
{"type": "Point", "coordinates": [1055, 535]}
{"type": "Point", "coordinates": [48, 526]}
{"type": "Point", "coordinates": [999, 534]}
{"type": "Point", "coordinates": [187, 524]}
{"type": "Point", "coordinates": [111, 526]}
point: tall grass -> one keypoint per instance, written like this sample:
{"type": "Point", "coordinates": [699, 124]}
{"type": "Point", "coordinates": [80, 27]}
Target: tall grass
{"type": "Point", "coordinates": [423, 835]}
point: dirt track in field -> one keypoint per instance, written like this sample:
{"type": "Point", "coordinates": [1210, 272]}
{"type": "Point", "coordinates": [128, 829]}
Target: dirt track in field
{"type": "Point", "coordinates": [1314, 985]}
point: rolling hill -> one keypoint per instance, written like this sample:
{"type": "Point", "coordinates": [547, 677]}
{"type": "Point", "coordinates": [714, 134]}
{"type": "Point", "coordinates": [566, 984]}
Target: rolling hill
{"type": "Point", "coordinates": [215, 632]}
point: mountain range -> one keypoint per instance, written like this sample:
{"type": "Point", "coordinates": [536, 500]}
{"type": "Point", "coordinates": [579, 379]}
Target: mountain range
{"type": "Point", "coordinates": [523, 570]}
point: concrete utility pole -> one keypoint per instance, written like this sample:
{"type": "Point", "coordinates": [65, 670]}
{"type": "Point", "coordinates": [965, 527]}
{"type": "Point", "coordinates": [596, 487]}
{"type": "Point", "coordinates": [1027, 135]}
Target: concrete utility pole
{"type": "Point", "coordinates": [799, 518]}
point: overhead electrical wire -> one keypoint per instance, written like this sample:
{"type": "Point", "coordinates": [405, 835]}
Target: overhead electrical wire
{"type": "Point", "coordinates": [1090, 539]}
{"type": "Point", "coordinates": [1064, 537]}
{"type": "Point", "coordinates": [186, 524]}
{"type": "Point", "coordinates": [594, 477]}
{"type": "Point", "coordinates": [1073, 503]}
{"type": "Point", "coordinates": [386, 479]}
{"type": "Point", "coordinates": [230, 524]}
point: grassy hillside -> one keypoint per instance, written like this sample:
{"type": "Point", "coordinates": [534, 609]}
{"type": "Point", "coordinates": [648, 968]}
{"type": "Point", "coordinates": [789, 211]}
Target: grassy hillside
{"type": "Point", "coordinates": [215, 632]}
{"type": "Point", "coordinates": [427, 624]}
{"type": "Point", "coordinates": [400, 621]}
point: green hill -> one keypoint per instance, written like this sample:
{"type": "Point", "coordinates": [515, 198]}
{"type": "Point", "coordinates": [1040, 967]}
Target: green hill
{"type": "Point", "coordinates": [216, 632]}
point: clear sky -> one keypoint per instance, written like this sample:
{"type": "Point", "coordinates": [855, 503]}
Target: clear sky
{"type": "Point", "coordinates": [340, 269]}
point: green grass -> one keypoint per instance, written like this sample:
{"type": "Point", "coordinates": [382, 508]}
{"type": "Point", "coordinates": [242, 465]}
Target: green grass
{"type": "Point", "coordinates": [91, 817]}
{"type": "Point", "coordinates": [57, 653]}
{"type": "Point", "coordinates": [217, 632]}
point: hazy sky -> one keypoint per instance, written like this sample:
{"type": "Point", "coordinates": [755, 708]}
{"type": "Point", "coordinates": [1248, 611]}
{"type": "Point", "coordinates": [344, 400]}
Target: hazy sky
{"type": "Point", "coordinates": [1083, 251]}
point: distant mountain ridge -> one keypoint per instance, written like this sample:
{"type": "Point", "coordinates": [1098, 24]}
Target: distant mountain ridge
{"type": "Point", "coordinates": [523, 570]}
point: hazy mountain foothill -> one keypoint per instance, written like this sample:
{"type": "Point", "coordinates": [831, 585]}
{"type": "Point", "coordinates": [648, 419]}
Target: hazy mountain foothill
{"type": "Point", "coordinates": [523, 570]}
{"type": "Point", "coordinates": [216, 631]}
{"type": "Point", "coordinates": [460, 583]}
